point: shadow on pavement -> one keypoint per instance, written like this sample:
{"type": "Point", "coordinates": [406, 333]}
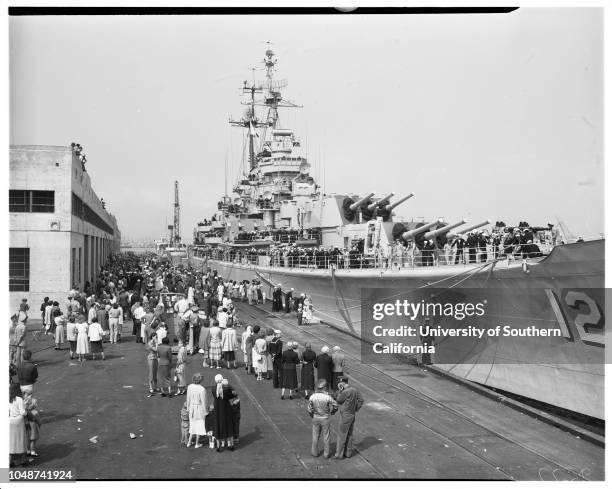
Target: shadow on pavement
{"type": "Point", "coordinates": [251, 437]}
{"type": "Point", "coordinates": [367, 442]}
{"type": "Point", "coordinates": [54, 451]}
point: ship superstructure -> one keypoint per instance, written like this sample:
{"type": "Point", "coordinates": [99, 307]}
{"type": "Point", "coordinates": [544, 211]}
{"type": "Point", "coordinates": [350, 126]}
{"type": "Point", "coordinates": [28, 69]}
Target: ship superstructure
{"type": "Point", "coordinates": [277, 200]}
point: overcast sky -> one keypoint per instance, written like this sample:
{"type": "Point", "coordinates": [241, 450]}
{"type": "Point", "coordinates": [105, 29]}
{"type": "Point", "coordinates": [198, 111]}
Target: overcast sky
{"type": "Point", "coordinates": [481, 116]}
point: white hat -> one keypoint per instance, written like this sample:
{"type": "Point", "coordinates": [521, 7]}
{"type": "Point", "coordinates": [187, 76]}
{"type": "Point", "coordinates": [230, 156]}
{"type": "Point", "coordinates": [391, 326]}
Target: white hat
{"type": "Point", "coordinates": [325, 349]}
{"type": "Point", "coordinates": [336, 348]}
{"type": "Point", "coordinates": [218, 378]}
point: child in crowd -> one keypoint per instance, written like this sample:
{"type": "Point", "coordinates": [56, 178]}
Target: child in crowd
{"type": "Point", "coordinates": [184, 424]}
{"type": "Point", "coordinates": [32, 423]}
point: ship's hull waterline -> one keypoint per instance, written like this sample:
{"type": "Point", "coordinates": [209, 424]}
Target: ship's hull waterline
{"type": "Point", "coordinates": [568, 373]}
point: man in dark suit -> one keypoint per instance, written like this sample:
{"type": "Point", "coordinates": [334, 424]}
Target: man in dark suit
{"type": "Point", "coordinates": [459, 243]}
{"type": "Point", "coordinates": [275, 349]}
{"type": "Point", "coordinates": [289, 301]}
{"type": "Point", "coordinates": [324, 365]}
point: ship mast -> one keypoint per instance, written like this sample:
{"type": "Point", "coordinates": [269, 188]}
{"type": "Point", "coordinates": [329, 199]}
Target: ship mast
{"type": "Point", "coordinates": [249, 120]}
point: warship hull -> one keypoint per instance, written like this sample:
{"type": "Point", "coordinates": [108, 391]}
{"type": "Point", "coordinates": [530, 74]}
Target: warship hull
{"type": "Point", "coordinates": [567, 372]}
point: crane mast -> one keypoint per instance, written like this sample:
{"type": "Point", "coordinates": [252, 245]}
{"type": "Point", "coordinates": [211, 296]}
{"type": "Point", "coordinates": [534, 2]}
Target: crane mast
{"type": "Point", "coordinates": [176, 240]}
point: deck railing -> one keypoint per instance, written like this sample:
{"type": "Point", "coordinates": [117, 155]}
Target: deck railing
{"type": "Point", "coordinates": [435, 258]}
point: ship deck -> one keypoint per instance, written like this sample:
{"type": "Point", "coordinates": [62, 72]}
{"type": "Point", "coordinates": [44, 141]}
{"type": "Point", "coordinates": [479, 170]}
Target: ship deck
{"type": "Point", "coordinates": [414, 424]}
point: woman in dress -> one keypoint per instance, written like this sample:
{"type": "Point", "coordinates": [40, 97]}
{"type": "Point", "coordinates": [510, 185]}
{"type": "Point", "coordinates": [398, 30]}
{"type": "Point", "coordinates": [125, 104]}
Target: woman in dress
{"type": "Point", "coordinates": [307, 311]}
{"type": "Point", "coordinates": [164, 365]}
{"type": "Point", "coordinates": [198, 406]}
{"type": "Point", "coordinates": [214, 353]}
{"type": "Point", "coordinates": [82, 348]}
{"type": "Point", "coordinates": [204, 341]}
{"type": "Point", "coordinates": [289, 361]}
{"type": "Point", "coordinates": [181, 360]}
{"type": "Point", "coordinates": [60, 332]}
{"type": "Point", "coordinates": [152, 362]}
{"type": "Point", "coordinates": [229, 345]}
{"type": "Point", "coordinates": [260, 355]}
{"type": "Point", "coordinates": [308, 358]}
{"type": "Point", "coordinates": [71, 335]}
{"type": "Point", "coordinates": [247, 348]}
{"type": "Point", "coordinates": [224, 419]}
{"type": "Point", "coordinates": [17, 428]}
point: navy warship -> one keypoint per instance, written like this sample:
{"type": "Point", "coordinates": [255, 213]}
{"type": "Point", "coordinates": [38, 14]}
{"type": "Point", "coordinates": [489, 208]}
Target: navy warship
{"type": "Point", "coordinates": [277, 225]}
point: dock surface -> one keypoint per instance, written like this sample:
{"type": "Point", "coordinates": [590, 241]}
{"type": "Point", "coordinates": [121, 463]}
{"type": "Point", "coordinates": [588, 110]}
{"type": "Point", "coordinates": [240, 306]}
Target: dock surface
{"type": "Point", "coordinates": [414, 424]}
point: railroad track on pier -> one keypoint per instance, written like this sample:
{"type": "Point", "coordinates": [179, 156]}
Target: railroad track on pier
{"type": "Point", "coordinates": [406, 389]}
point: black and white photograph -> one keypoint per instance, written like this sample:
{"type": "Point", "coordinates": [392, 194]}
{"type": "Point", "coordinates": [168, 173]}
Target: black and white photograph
{"type": "Point", "coordinates": [305, 243]}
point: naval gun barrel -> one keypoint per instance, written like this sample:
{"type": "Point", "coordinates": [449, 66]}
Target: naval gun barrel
{"type": "Point", "coordinates": [390, 207]}
{"type": "Point", "coordinates": [356, 205]}
{"type": "Point", "coordinates": [469, 228]}
{"type": "Point", "coordinates": [415, 232]}
{"type": "Point", "coordinates": [442, 230]}
{"type": "Point", "coordinates": [380, 202]}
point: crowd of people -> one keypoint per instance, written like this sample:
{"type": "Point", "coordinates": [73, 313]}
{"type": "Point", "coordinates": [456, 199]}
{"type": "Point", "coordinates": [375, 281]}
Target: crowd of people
{"type": "Point", "coordinates": [473, 247]}
{"type": "Point", "coordinates": [178, 313]}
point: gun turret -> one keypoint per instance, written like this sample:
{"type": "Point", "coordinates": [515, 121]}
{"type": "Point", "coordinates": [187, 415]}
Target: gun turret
{"type": "Point", "coordinates": [420, 230]}
{"type": "Point", "coordinates": [390, 207]}
{"type": "Point", "coordinates": [469, 228]}
{"type": "Point", "coordinates": [360, 202]}
{"type": "Point", "coordinates": [380, 202]}
{"type": "Point", "coordinates": [442, 230]}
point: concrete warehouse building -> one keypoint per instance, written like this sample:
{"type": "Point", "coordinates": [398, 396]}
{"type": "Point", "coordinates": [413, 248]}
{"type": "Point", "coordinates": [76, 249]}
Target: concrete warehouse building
{"type": "Point", "coordinates": [59, 231]}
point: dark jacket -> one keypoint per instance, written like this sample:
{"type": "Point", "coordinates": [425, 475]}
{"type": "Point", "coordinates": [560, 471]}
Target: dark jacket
{"type": "Point", "coordinates": [324, 365]}
{"type": "Point", "coordinates": [275, 348]}
{"type": "Point", "coordinates": [350, 401]}
{"type": "Point", "coordinates": [28, 373]}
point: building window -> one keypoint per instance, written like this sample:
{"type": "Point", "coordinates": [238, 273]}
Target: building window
{"type": "Point", "coordinates": [81, 210]}
{"type": "Point", "coordinates": [32, 201]}
{"type": "Point", "coordinates": [19, 269]}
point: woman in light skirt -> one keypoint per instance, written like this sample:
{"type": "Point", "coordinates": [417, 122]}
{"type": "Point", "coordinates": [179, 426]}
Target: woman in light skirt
{"type": "Point", "coordinates": [214, 353]}
{"type": "Point", "coordinates": [17, 427]}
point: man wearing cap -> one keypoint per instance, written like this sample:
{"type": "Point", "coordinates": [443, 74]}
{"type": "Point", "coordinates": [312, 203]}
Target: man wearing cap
{"type": "Point", "coordinates": [349, 401]}
{"type": "Point", "coordinates": [321, 406]}
{"type": "Point", "coordinates": [275, 349]}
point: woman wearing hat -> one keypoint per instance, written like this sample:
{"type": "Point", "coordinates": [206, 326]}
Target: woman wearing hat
{"type": "Point", "coordinates": [308, 358]}
{"type": "Point", "coordinates": [198, 406]}
{"type": "Point", "coordinates": [290, 359]}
